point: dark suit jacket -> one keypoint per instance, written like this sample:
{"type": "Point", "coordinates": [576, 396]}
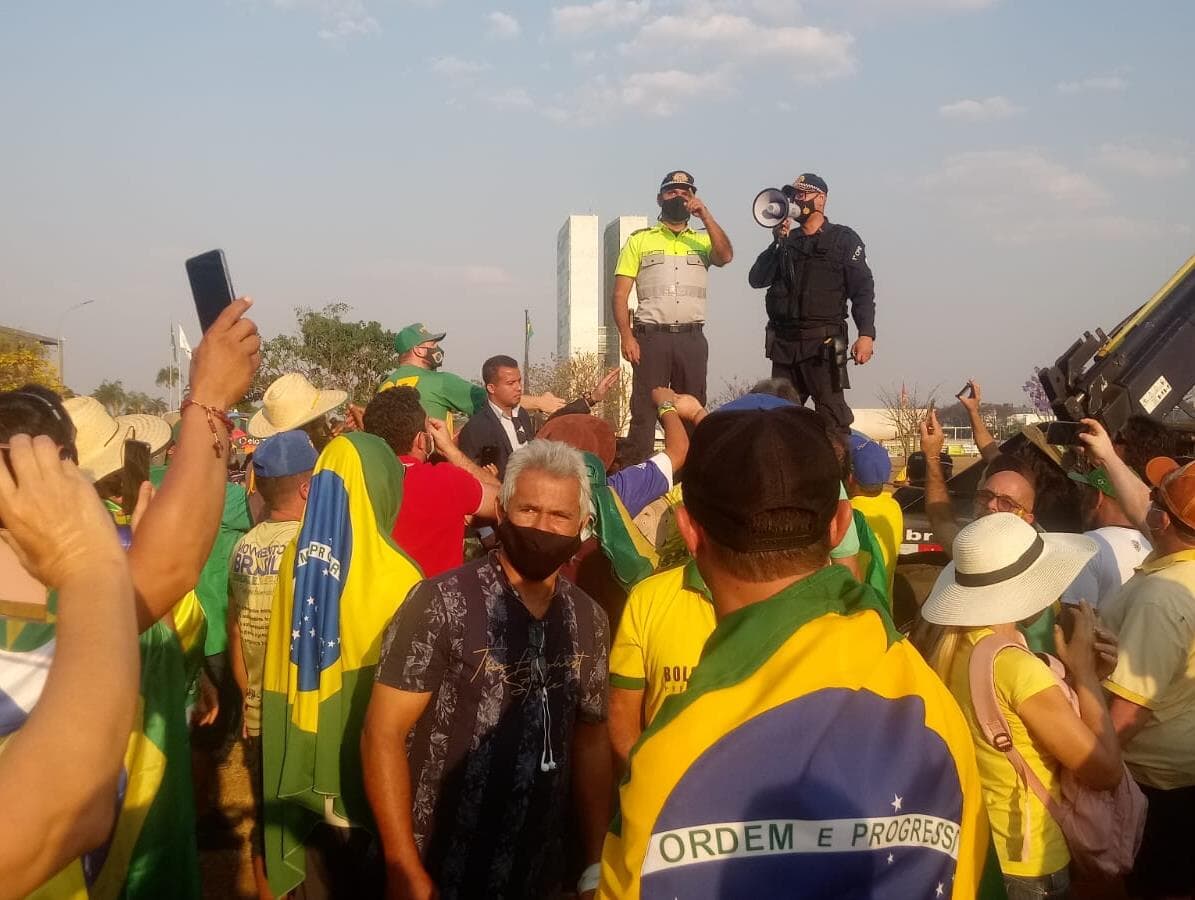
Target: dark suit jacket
{"type": "Point", "coordinates": [483, 429]}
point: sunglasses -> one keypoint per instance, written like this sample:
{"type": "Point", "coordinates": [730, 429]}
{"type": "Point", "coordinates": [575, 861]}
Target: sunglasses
{"type": "Point", "coordinates": [1004, 503]}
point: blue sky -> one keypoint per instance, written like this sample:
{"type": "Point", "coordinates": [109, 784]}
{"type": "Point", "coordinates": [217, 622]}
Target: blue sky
{"type": "Point", "coordinates": [1020, 171]}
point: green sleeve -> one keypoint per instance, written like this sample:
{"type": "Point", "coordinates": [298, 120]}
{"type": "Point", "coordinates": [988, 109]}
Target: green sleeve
{"type": "Point", "coordinates": [628, 259]}
{"type": "Point", "coordinates": [460, 395]}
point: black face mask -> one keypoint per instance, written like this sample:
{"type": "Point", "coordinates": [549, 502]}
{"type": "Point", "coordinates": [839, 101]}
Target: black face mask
{"type": "Point", "coordinates": [536, 554]}
{"type": "Point", "coordinates": [801, 210]}
{"type": "Point", "coordinates": [434, 357]}
{"type": "Point", "coordinates": [675, 210]}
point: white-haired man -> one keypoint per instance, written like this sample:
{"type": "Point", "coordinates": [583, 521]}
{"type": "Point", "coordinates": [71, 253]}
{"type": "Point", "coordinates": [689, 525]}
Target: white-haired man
{"type": "Point", "coordinates": [496, 672]}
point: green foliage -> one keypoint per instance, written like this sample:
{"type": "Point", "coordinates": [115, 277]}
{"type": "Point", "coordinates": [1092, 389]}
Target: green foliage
{"type": "Point", "coordinates": [120, 402]}
{"type": "Point", "coordinates": [332, 353]}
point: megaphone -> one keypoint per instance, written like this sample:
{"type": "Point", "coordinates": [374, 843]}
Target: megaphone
{"type": "Point", "coordinates": [770, 207]}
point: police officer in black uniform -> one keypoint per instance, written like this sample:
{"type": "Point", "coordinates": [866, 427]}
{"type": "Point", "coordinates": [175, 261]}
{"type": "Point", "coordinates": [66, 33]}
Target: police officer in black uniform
{"type": "Point", "coordinates": [810, 273]}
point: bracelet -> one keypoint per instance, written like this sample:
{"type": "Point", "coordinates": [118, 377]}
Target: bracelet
{"type": "Point", "coordinates": [588, 398]}
{"type": "Point", "coordinates": [666, 407]}
{"type": "Point", "coordinates": [590, 878]}
{"type": "Point", "coordinates": [212, 413]}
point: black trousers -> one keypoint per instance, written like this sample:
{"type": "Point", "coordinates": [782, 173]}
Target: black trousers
{"type": "Point", "coordinates": [666, 359]}
{"type": "Point", "coordinates": [805, 362]}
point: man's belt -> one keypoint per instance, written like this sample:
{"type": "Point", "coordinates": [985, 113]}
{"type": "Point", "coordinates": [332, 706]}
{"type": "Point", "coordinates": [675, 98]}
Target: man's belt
{"type": "Point", "coordinates": [791, 331]}
{"type": "Point", "coordinates": [649, 327]}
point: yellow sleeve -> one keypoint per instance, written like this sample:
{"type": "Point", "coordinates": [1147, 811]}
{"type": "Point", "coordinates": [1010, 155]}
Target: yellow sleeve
{"type": "Point", "coordinates": [628, 259]}
{"type": "Point", "coordinates": [627, 670]}
{"type": "Point", "coordinates": [1021, 675]}
{"type": "Point", "coordinates": [1154, 644]}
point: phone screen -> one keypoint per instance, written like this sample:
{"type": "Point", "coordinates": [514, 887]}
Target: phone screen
{"type": "Point", "coordinates": [488, 456]}
{"type": "Point", "coordinates": [211, 286]}
{"type": "Point", "coordinates": [1064, 434]}
{"type": "Point", "coordinates": [136, 471]}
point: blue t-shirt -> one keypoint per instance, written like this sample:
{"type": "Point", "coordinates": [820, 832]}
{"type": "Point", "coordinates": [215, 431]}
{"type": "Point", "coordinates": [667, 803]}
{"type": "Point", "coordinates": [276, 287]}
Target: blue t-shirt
{"type": "Point", "coordinates": [639, 485]}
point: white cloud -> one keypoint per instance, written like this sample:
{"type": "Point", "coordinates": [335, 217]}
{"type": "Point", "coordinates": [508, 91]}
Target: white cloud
{"type": "Point", "coordinates": [986, 110]}
{"type": "Point", "coordinates": [1136, 159]}
{"type": "Point", "coordinates": [1112, 84]}
{"type": "Point", "coordinates": [1023, 195]}
{"type": "Point", "coordinates": [503, 26]}
{"type": "Point", "coordinates": [339, 19]}
{"type": "Point", "coordinates": [807, 51]}
{"type": "Point", "coordinates": [511, 98]}
{"type": "Point", "coordinates": [455, 67]}
{"type": "Point", "coordinates": [601, 15]}
{"type": "Point", "coordinates": [660, 93]}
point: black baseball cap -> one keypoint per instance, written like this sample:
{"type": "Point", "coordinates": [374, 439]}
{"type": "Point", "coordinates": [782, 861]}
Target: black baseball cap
{"type": "Point", "coordinates": [678, 178]}
{"type": "Point", "coordinates": [781, 461]}
{"type": "Point", "coordinates": [809, 180]}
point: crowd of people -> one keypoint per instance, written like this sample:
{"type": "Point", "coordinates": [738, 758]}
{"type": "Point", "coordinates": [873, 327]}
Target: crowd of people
{"type": "Point", "coordinates": [526, 658]}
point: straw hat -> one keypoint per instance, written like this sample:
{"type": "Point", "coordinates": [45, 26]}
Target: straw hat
{"type": "Point", "coordinates": [1004, 571]}
{"type": "Point", "coordinates": [100, 437]}
{"type": "Point", "coordinates": [291, 402]}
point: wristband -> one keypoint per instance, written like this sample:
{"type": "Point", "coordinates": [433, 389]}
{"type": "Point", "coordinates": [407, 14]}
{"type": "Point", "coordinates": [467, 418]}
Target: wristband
{"type": "Point", "coordinates": [590, 878]}
{"type": "Point", "coordinates": [666, 407]}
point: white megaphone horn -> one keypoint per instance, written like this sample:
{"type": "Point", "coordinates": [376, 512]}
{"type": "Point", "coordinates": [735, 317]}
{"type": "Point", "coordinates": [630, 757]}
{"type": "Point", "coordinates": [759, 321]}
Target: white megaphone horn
{"type": "Point", "coordinates": [770, 207]}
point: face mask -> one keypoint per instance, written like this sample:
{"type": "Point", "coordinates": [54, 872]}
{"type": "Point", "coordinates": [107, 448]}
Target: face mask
{"type": "Point", "coordinates": [801, 210]}
{"type": "Point", "coordinates": [434, 357]}
{"type": "Point", "coordinates": [675, 210]}
{"type": "Point", "coordinates": [536, 554]}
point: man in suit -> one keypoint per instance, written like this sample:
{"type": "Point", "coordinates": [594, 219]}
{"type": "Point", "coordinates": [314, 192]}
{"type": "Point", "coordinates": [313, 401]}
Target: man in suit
{"type": "Point", "coordinates": [502, 426]}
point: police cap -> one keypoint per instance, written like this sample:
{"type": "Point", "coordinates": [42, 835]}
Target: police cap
{"type": "Point", "coordinates": [678, 178]}
{"type": "Point", "coordinates": [809, 181]}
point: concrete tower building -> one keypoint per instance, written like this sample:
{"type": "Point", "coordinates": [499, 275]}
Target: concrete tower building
{"type": "Point", "coordinates": [578, 287]}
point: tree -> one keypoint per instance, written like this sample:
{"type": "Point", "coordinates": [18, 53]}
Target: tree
{"type": "Point", "coordinates": [113, 396]}
{"type": "Point", "coordinates": [333, 354]}
{"type": "Point", "coordinates": [168, 377]}
{"type": "Point", "coordinates": [905, 411]}
{"type": "Point", "coordinates": [732, 389]}
{"type": "Point", "coordinates": [572, 377]}
{"type": "Point", "coordinates": [24, 362]}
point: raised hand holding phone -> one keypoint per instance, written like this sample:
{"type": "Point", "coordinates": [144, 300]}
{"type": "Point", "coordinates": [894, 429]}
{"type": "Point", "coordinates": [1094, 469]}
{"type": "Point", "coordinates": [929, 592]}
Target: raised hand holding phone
{"type": "Point", "coordinates": [211, 286]}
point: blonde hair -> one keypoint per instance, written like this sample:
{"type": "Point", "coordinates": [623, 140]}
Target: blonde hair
{"type": "Point", "coordinates": [938, 645]}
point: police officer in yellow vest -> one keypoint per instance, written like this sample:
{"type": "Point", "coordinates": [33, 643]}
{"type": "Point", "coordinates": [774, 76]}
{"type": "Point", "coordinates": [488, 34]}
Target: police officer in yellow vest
{"type": "Point", "coordinates": [668, 266]}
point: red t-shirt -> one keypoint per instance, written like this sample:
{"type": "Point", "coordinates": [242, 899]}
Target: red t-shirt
{"type": "Point", "coordinates": [431, 519]}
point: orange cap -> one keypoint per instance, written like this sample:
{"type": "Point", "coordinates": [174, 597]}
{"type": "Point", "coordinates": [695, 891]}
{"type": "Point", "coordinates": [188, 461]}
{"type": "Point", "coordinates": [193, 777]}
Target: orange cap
{"type": "Point", "coordinates": [1176, 485]}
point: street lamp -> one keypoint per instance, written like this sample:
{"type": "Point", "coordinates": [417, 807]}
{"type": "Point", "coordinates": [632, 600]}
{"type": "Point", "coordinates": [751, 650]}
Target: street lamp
{"type": "Point", "coordinates": [61, 340]}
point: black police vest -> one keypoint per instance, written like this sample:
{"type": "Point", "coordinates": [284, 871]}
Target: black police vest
{"type": "Point", "coordinates": [810, 284]}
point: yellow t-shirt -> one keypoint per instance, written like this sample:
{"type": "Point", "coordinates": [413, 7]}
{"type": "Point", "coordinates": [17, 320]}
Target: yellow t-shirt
{"type": "Point", "coordinates": [663, 629]}
{"type": "Point", "coordinates": [252, 576]}
{"type": "Point", "coordinates": [887, 522]}
{"type": "Point", "coordinates": [1153, 616]}
{"type": "Point", "coordinates": [1018, 676]}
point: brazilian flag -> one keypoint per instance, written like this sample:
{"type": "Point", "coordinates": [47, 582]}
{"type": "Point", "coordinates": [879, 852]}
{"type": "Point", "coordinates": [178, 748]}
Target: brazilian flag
{"type": "Point", "coordinates": [340, 583]}
{"type": "Point", "coordinates": [151, 852]}
{"type": "Point", "coordinates": [813, 754]}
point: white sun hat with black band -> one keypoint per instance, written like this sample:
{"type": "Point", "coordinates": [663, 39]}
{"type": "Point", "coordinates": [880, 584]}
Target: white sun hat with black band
{"type": "Point", "coordinates": [1004, 571]}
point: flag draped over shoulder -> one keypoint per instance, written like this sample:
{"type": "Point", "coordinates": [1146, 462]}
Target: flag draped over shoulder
{"type": "Point", "coordinates": [151, 851]}
{"type": "Point", "coordinates": [875, 575]}
{"type": "Point", "coordinates": [632, 557]}
{"type": "Point", "coordinates": [340, 583]}
{"type": "Point", "coordinates": [813, 748]}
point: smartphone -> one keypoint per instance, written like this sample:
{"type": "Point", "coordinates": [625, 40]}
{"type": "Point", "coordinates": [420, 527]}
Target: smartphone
{"type": "Point", "coordinates": [968, 389]}
{"type": "Point", "coordinates": [135, 471]}
{"type": "Point", "coordinates": [488, 456]}
{"type": "Point", "coordinates": [1066, 620]}
{"type": "Point", "coordinates": [211, 286]}
{"type": "Point", "coordinates": [1064, 434]}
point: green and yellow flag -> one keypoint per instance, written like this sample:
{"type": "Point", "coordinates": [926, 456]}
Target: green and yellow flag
{"type": "Point", "coordinates": [339, 585]}
{"type": "Point", "coordinates": [813, 748]}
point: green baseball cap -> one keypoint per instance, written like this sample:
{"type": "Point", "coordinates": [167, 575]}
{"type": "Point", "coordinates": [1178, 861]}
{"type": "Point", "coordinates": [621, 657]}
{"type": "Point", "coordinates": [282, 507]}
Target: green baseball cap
{"type": "Point", "coordinates": [1096, 478]}
{"type": "Point", "coordinates": [414, 335]}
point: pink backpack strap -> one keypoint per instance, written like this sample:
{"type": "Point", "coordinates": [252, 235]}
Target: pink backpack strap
{"type": "Point", "coordinates": [993, 724]}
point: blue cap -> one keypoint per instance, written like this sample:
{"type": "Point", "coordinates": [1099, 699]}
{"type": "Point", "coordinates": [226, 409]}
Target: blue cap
{"type": "Point", "coordinates": [755, 401]}
{"type": "Point", "coordinates": [288, 453]}
{"type": "Point", "coordinates": [869, 461]}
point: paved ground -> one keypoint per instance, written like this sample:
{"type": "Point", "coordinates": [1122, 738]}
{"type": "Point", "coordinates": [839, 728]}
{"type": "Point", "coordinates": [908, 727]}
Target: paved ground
{"type": "Point", "coordinates": [227, 873]}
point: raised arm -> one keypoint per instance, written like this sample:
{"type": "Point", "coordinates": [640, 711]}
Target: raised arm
{"type": "Point", "coordinates": [938, 508]}
{"type": "Point", "coordinates": [58, 771]}
{"type": "Point", "coordinates": [973, 404]}
{"type": "Point", "coordinates": [176, 535]}
{"type": "Point", "coordinates": [1131, 492]}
